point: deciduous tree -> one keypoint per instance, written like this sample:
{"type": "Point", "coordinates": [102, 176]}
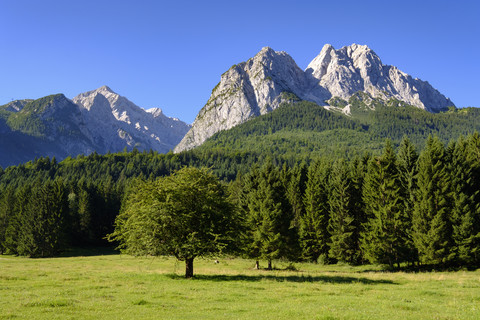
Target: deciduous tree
{"type": "Point", "coordinates": [186, 215]}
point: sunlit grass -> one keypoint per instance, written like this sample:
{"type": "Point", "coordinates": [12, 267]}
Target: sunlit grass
{"type": "Point", "coordinates": [124, 287]}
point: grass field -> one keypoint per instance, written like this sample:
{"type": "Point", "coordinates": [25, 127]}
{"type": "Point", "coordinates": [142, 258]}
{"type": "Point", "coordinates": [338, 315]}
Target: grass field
{"type": "Point", "coordinates": [123, 287]}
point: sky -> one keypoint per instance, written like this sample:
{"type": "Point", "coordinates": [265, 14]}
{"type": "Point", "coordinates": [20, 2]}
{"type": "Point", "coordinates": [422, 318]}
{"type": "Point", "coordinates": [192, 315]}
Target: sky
{"type": "Point", "coordinates": [171, 54]}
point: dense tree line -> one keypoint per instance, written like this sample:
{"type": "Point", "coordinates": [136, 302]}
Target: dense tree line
{"type": "Point", "coordinates": [397, 207]}
{"type": "Point", "coordinates": [392, 209]}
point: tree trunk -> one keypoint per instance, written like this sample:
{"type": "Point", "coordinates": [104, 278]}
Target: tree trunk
{"type": "Point", "coordinates": [269, 265]}
{"type": "Point", "coordinates": [189, 268]}
{"type": "Point", "coordinates": [257, 265]}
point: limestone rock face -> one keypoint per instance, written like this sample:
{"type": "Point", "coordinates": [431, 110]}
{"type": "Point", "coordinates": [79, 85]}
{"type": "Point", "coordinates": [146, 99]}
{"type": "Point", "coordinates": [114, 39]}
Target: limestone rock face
{"type": "Point", "coordinates": [114, 122]}
{"type": "Point", "coordinates": [357, 68]}
{"type": "Point", "coordinates": [261, 84]}
{"type": "Point", "coordinates": [250, 89]}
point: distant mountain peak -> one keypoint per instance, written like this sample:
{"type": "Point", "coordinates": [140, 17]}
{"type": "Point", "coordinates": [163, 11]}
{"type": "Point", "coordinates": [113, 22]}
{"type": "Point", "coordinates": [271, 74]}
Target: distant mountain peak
{"type": "Point", "coordinates": [105, 89]}
{"type": "Point", "coordinates": [266, 50]}
{"type": "Point", "coordinates": [119, 121]}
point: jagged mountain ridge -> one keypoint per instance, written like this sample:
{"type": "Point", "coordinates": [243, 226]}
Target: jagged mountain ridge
{"type": "Point", "coordinates": [262, 83]}
{"type": "Point", "coordinates": [127, 123]}
{"type": "Point", "coordinates": [357, 68]}
{"type": "Point", "coordinates": [95, 121]}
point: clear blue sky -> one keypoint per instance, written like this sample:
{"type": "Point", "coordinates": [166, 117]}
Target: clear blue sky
{"type": "Point", "coordinates": [170, 54]}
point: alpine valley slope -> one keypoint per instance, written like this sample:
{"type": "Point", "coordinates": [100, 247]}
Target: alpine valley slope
{"type": "Point", "coordinates": [270, 78]}
{"type": "Point", "coordinates": [96, 121]}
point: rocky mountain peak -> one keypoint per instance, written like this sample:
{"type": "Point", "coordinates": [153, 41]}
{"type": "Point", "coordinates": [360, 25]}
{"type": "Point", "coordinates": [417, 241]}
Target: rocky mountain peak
{"type": "Point", "coordinates": [354, 68]}
{"type": "Point", "coordinates": [262, 83]}
{"type": "Point", "coordinates": [247, 90]}
{"type": "Point", "coordinates": [86, 100]}
{"type": "Point", "coordinates": [105, 89]}
{"type": "Point", "coordinates": [156, 112]}
{"type": "Point", "coordinates": [120, 121]}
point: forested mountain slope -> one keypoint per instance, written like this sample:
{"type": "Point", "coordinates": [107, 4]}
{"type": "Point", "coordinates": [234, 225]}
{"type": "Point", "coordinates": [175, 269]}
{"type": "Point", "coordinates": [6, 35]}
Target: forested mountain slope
{"type": "Point", "coordinates": [306, 130]}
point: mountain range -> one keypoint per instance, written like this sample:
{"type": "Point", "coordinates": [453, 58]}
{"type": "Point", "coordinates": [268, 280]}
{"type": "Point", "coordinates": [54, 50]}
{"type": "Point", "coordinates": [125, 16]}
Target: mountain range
{"type": "Point", "coordinates": [347, 81]}
{"type": "Point", "coordinates": [270, 78]}
{"type": "Point", "coordinates": [96, 121]}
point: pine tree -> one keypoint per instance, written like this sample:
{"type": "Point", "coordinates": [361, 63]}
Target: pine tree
{"type": "Point", "coordinates": [15, 236]}
{"type": "Point", "coordinates": [358, 169]}
{"type": "Point", "coordinates": [344, 241]}
{"type": "Point", "coordinates": [313, 223]}
{"type": "Point", "coordinates": [384, 239]}
{"type": "Point", "coordinates": [295, 190]}
{"type": "Point", "coordinates": [40, 220]}
{"type": "Point", "coordinates": [466, 207]}
{"type": "Point", "coordinates": [294, 180]}
{"type": "Point", "coordinates": [431, 226]}
{"type": "Point", "coordinates": [7, 204]}
{"type": "Point", "coordinates": [269, 215]}
{"type": "Point", "coordinates": [407, 162]}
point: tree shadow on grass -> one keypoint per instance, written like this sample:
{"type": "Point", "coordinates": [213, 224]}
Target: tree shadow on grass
{"type": "Point", "coordinates": [293, 278]}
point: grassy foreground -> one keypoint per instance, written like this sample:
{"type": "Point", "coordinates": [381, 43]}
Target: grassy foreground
{"type": "Point", "coordinates": [124, 287]}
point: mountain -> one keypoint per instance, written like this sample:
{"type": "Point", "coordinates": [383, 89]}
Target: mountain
{"type": "Point", "coordinates": [270, 78]}
{"type": "Point", "coordinates": [304, 130]}
{"type": "Point", "coordinates": [49, 126]}
{"type": "Point", "coordinates": [357, 68]}
{"type": "Point", "coordinates": [96, 121]}
{"type": "Point", "coordinates": [114, 123]}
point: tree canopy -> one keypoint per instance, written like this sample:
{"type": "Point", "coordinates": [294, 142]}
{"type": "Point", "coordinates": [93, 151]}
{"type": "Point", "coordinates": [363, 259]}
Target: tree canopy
{"type": "Point", "coordinates": [185, 215]}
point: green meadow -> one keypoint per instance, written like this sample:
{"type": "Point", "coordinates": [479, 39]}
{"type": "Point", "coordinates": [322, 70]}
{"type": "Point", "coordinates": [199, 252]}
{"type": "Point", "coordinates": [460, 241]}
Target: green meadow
{"type": "Point", "coordinates": [124, 287]}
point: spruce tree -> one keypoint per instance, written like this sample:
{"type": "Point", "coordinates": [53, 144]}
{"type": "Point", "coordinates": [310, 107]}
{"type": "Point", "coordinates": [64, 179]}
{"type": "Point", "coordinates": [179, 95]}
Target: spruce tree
{"type": "Point", "coordinates": [358, 170]}
{"type": "Point", "coordinates": [313, 223]}
{"type": "Point", "coordinates": [295, 190]}
{"type": "Point", "coordinates": [432, 230]}
{"type": "Point", "coordinates": [384, 239]}
{"type": "Point", "coordinates": [270, 235]}
{"type": "Point", "coordinates": [464, 166]}
{"type": "Point", "coordinates": [16, 235]}
{"type": "Point", "coordinates": [407, 163]}
{"type": "Point", "coordinates": [7, 204]}
{"type": "Point", "coordinates": [344, 241]}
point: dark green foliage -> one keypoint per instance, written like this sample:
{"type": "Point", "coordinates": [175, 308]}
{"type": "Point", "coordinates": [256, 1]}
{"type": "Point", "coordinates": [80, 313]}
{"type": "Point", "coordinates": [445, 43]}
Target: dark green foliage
{"type": "Point", "coordinates": [295, 184]}
{"type": "Point", "coordinates": [7, 211]}
{"type": "Point", "coordinates": [38, 229]}
{"type": "Point", "coordinates": [465, 215]}
{"type": "Point", "coordinates": [385, 237]}
{"type": "Point", "coordinates": [269, 215]}
{"type": "Point", "coordinates": [431, 224]}
{"type": "Point", "coordinates": [313, 222]}
{"type": "Point", "coordinates": [408, 170]}
{"type": "Point", "coordinates": [343, 224]}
